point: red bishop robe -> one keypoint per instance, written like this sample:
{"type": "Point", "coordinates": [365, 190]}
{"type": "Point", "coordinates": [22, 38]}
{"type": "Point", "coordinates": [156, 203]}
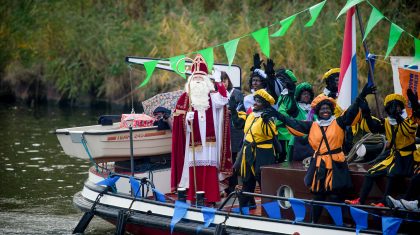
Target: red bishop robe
{"type": "Point", "coordinates": [204, 170]}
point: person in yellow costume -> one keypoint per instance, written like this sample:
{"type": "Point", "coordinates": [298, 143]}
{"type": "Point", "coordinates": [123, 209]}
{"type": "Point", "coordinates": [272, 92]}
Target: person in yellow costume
{"type": "Point", "coordinates": [328, 176]}
{"type": "Point", "coordinates": [410, 201]}
{"type": "Point", "coordinates": [258, 149]}
{"type": "Point", "coordinates": [400, 131]}
{"type": "Point", "coordinates": [331, 78]}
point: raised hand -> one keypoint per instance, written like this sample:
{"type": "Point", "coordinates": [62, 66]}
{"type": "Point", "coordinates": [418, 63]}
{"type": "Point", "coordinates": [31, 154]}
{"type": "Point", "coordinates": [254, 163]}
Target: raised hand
{"type": "Point", "coordinates": [269, 68]}
{"type": "Point", "coordinates": [367, 90]}
{"type": "Point", "coordinates": [413, 98]}
{"type": "Point", "coordinates": [257, 62]}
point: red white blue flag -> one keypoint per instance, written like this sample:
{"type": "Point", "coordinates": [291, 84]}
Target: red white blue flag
{"type": "Point", "coordinates": [347, 86]}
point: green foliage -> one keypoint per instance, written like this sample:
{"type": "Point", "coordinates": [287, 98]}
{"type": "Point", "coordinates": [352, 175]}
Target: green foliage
{"type": "Point", "coordinates": [82, 43]}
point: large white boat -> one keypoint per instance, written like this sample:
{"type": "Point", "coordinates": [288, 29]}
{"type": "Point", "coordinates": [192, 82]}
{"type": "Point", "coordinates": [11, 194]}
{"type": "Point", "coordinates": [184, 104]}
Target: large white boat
{"type": "Point", "coordinates": [105, 143]}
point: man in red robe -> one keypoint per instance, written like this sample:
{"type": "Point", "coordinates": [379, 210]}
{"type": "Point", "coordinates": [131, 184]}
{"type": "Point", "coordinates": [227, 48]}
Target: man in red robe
{"type": "Point", "coordinates": [200, 136]}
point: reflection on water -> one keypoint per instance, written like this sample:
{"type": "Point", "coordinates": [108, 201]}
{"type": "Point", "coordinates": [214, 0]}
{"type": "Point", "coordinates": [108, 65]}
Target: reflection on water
{"type": "Point", "coordinates": [38, 180]}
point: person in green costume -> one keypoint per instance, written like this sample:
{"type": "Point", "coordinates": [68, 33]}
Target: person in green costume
{"type": "Point", "coordinates": [287, 106]}
{"type": "Point", "coordinates": [299, 145]}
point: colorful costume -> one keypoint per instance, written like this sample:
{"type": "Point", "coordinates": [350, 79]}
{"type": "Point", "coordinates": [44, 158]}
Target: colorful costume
{"type": "Point", "coordinates": [211, 148]}
{"type": "Point", "coordinates": [258, 149]}
{"type": "Point", "coordinates": [331, 174]}
{"type": "Point", "coordinates": [400, 135]}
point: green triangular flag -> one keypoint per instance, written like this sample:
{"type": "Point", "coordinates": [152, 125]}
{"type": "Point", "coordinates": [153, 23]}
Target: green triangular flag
{"type": "Point", "coordinates": [150, 67]}
{"type": "Point", "coordinates": [394, 36]}
{"type": "Point", "coordinates": [208, 57]}
{"type": "Point", "coordinates": [314, 11]}
{"type": "Point", "coordinates": [285, 25]}
{"type": "Point", "coordinates": [261, 36]}
{"type": "Point", "coordinates": [349, 4]}
{"type": "Point", "coordinates": [416, 50]}
{"type": "Point", "coordinates": [375, 17]}
{"type": "Point", "coordinates": [230, 49]}
{"type": "Point", "coordinates": [181, 66]}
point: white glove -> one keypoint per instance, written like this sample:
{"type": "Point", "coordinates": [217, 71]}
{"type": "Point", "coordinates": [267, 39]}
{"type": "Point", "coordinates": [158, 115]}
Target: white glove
{"type": "Point", "coordinates": [189, 116]}
{"type": "Point", "coordinates": [217, 75]}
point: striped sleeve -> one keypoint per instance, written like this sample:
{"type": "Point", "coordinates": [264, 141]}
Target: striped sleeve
{"type": "Point", "coordinates": [298, 128]}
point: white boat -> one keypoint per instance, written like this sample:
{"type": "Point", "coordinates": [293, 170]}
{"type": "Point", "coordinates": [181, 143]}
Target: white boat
{"type": "Point", "coordinates": [145, 214]}
{"type": "Point", "coordinates": [112, 143]}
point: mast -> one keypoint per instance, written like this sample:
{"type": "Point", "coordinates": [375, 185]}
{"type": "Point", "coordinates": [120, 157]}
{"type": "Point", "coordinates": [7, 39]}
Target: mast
{"type": "Point", "coordinates": [365, 46]}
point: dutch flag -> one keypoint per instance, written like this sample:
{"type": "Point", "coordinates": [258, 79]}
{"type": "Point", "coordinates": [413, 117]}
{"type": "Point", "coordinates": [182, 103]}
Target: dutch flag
{"type": "Point", "coordinates": [347, 86]}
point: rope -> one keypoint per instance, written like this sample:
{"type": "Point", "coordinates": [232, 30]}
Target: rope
{"type": "Point", "coordinates": [368, 138]}
{"type": "Point", "coordinates": [84, 142]}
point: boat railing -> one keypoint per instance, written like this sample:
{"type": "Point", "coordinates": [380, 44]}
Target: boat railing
{"type": "Point", "coordinates": [411, 216]}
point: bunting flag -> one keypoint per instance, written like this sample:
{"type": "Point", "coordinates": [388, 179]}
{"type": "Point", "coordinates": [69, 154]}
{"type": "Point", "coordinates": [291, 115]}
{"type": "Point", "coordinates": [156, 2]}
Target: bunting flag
{"type": "Point", "coordinates": [394, 35]}
{"type": "Point", "coordinates": [272, 209]}
{"type": "Point", "coordinates": [230, 49]}
{"type": "Point", "coordinates": [261, 36]}
{"type": "Point", "coordinates": [372, 60]}
{"type": "Point", "coordinates": [335, 213]}
{"type": "Point", "coordinates": [347, 85]}
{"type": "Point", "coordinates": [416, 50]}
{"type": "Point", "coordinates": [390, 225]}
{"type": "Point", "coordinates": [158, 195]}
{"type": "Point", "coordinates": [150, 67]}
{"type": "Point", "coordinates": [360, 217]}
{"type": "Point", "coordinates": [298, 207]}
{"type": "Point", "coordinates": [208, 57]}
{"type": "Point", "coordinates": [285, 25]}
{"type": "Point", "coordinates": [135, 187]}
{"type": "Point", "coordinates": [180, 210]}
{"type": "Point", "coordinates": [110, 181]}
{"type": "Point", "coordinates": [349, 4]}
{"type": "Point", "coordinates": [314, 11]}
{"type": "Point", "coordinates": [181, 66]}
{"type": "Point", "coordinates": [208, 217]}
{"type": "Point", "coordinates": [242, 210]}
{"type": "Point", "coordinates": [375, 17]}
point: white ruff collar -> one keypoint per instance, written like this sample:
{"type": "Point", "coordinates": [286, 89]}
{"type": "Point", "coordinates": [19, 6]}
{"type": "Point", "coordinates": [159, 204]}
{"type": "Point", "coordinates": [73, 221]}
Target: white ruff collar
{"type": "Point", "coordinates": [394, 122]}
{"type": "Point", "coordinates": [306, 107]}
{"type": "Point", "coordinates": [257, 113]}
{"type": "Point", "coordinates": [326, 91]}
{"type": "Point", "coordinates": [327, 122]}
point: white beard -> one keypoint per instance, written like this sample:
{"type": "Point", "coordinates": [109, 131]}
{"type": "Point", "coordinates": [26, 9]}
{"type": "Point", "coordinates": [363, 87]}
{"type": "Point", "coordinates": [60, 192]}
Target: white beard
{"type": "Point", "coordinates": [199, 92]}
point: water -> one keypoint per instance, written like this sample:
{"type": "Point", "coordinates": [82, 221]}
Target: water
{"type": "Point", "coordinates": [38, 180]}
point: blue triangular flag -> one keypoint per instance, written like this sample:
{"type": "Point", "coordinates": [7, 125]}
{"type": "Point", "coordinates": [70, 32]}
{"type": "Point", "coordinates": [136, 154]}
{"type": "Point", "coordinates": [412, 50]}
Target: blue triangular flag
{"type": "Point", "coordinates": [336, 214]}
{"type": "Point", "coordinates": [298, 207]}
{"type": "Point", "coordinates": [360, 217]}
{"type": "Point", "coordinates": [110, 181]}
{"type": "Point", "coordinates": [158, 195]}
{"type": "Point", "coordinates": [244, 210]}
{"type": "Point", "coordinates": [372, 60]}
{"type": "Point", "coordinates": [272, 209]}
{"type": "Point", "coordinates": [135, 186]}
{"type": "Point", "coordinates": [180, 211]}
{"type": "Point", "coordinates": [208, 217]}
{"type": "Point", "coordinates": [390, 225]}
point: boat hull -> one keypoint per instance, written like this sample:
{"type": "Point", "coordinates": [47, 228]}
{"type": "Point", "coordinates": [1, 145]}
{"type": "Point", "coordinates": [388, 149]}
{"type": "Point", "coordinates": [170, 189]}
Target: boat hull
{"type": "Point", "coordinates": [112, 143]}
{"type": "Point", "coordinates": [152, 217]}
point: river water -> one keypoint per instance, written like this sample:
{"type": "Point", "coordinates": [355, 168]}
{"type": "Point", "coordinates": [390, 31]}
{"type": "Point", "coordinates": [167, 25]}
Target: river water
{"type": "Point", "coordinates": [38, 180]}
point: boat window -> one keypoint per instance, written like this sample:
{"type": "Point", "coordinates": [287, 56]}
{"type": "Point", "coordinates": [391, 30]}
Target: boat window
{"type": "Point", "coordinates": [287, 192]}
